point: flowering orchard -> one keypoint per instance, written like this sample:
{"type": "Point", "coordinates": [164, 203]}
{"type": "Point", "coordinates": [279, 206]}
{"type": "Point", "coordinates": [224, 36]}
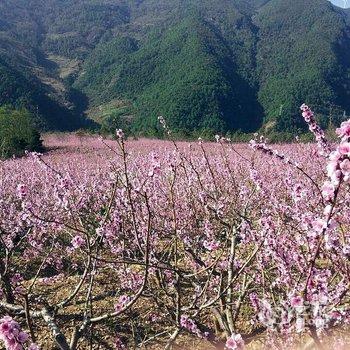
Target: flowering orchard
{"type": "Point", "coordinates": [140, 244]}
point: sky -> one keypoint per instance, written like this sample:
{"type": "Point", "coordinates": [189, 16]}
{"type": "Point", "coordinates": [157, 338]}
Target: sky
{"type": "Point", "coordinates": [341, 3]}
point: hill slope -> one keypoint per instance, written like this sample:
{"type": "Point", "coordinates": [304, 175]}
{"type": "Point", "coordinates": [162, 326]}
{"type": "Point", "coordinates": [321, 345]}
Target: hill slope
{"type": "Point", "coordinates": [303, 55]}
{"type": "Point", "coordinates": [223, 65]}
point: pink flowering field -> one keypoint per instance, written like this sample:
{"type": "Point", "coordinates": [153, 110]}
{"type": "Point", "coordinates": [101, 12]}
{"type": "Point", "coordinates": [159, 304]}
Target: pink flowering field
{"type": "Point", "coordinates": [151, 244]}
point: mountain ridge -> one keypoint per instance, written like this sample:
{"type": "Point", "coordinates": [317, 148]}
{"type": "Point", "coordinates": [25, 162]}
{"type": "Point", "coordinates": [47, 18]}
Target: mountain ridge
{"type": "Point", "coordinates": [232, 65]}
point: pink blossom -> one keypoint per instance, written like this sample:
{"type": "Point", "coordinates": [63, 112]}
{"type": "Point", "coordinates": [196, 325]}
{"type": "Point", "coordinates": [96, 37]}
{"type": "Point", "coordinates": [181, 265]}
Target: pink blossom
{"type": "Point", "coordinates": [319, 225]}
{"type": "Point", "coordinates": [187, 323]}
{"type": "Point", "coordinates": [334, 156]}
{"type": "Point", "coordinates": [344, 129]}
{"type": "Point", "coordinates": [22, 337]}
{"type": "Point", "coordinates": [345, 167]}
{"type": "Point", "coordinates": [118, 343]}
{"type": "Point", "coordinates": [16, 278]}
{"type": "Point", "coordinates": [337, 315]}
{"type": "Point", "coordinates": [11, 334]}
{"type": "Point", "coordinates": [346, 250]}
{"type": "Point", "coordinates": [300, 325]}
{"type": "Point", "coordinates": [120, 134]}
{"type": "Point", "coordinates": [308, 115]}
{"type": "Point", "coordinates": [185, 209]}
{"type": "Point", "coordinates": [327, 209]}
{"type": "Point", "coordinates": [296, 301]}
{"type": "Point", "coordinates": [77, 242]}
{"type": "Point", "coordinates": [328, 191]}
{"type": "Point", "coordinates": [123, 300]}
{"type": "Point", "coordinates": [319, 322]}
{"type": "Point", "coordinates": [235, 342]}
{"type": "Point", "coordinates": [211, 245]}
{"type": "Point", "coordinates": [332, 167]}
{"type": "Point", "coordinates": [22, 191]}
{"type": "Point", "coordinates": [344, 148]}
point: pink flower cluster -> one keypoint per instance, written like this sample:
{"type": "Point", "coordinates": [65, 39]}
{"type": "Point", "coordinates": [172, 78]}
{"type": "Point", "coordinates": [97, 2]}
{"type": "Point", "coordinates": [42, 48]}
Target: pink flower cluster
{"type": "Point", "coordinates": [77, 242]}
{"type": "Point", "coordinates": [123, 300]}
{"type": "Point", "coordinates": [22, 191]}
{"type": "Point", "coordinates": [120, 133]}
{"type": "Point", "coordinates": [297, 302]}
{"type": "Point", "coordinates": [338, 168]}
{"type": "Point", "coordinates": [165, 221]}
{"type": "Point", "coordinates": [164, 124]}
{"type": "Point", "coordinates": [187, 323]}
{"type": "Point", "coordinates": [235, 342]}
{"type": "Point", "coordinates": [344, 131]}
{"type": "Point", "coordinates": [118, 344]}
{"type": "Point", "coordinates": [322, 142]}
{"type": "Point", "coordinates": [12, 335]}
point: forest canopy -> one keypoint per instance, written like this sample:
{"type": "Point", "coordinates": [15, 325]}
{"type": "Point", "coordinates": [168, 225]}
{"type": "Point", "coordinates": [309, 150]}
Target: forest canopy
{"type": "Point", "coordinates": [17, 133]}
{"type": "Point", "coordinates": [222, 66]}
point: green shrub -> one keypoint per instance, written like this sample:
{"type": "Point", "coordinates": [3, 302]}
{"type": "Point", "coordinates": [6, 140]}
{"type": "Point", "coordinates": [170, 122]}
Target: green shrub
{"type": "Point", "coordinates": [17, 133]}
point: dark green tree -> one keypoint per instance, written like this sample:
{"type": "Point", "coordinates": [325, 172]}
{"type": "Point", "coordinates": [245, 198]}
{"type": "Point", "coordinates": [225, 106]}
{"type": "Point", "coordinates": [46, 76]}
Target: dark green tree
{"type": "Point", "coordinates": [17, 133]}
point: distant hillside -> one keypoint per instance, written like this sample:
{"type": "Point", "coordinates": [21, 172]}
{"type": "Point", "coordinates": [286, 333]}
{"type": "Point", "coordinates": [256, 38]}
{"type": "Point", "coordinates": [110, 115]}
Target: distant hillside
{"type": "Point", "coordinates": [303, 55]}
{"type": "Point", "coordinates": [347, 12]}
{"type": "Point", "coordinates": [205, 65]}
{"type": "Point", "coordinates": [20, 89]}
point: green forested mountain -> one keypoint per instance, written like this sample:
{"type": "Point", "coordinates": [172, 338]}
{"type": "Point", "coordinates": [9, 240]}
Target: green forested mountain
{"type": "Point", "coordinates": [205, 65]}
